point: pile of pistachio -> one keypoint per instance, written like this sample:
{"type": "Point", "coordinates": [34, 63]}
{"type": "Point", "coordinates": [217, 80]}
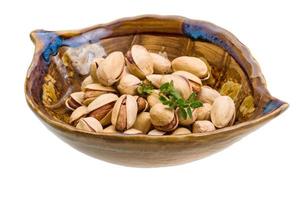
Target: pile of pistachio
{"type": "Point", "coordinates": [145, 93]}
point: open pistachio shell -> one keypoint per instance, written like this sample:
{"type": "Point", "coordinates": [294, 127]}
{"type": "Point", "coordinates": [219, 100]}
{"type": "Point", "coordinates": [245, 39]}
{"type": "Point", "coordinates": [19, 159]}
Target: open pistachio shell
{"type": "Point", "coordinates": [222, 112]}
{"type": "Point", "coordinates": [89, 124]}
{"type": "Point", "coordinates": [77, 114]}
{"type": "Point", "coordinates": [203, 113]}
{"type": "Point", "coordinates": [142, 103]}
{"type": "Point", "coordinates": [181, 131]}
{"type": "Point", "coordinates": [161, 65]}
{"type": "Point", "coordinates": [128, 84]}
{"type": "Point", "coordinates": [94, 66]}
{"type": "Point", "coordinates": [124, 112]}
{"type": "Point", "coordinates": [194, 80]}
{"type": "Point", "coordinates": [75, 100]}
{"type": "Point", "coordinates": [92, 91]}
{"type": "Point", "coordinates": [155, 79]}
{"type": "Point", "coordinates": [181, 84]}
{"type": "Point", "coordinates": [190, 64]}
{"type": "Point", "coordinates": [153, 98]}
{"type": "Point", "coordinates": [132, 131]}
{"type": "Point", "coordinates": [163, 118]}
{"type": "Point", "coordinates": [101, 108]}
{"type": "Point", "coordinates": [110, 129]}
{"type": "Point", "coordinates": [111, 69]}
{"type": "Point", "coordinates": [208, 95]}
{"type": "Point", "coordinates": [88, 80]}
{"type": "Point", "coordinates": [203, 126]}
{"type": "Point", "coordinates": [188, 120]}
{"type": "Point", "coordinates": [139, 61]}
{"type": "Point", "coordinates": [143, 122]}
{"type": "Point", "coordinates": [156, 132]}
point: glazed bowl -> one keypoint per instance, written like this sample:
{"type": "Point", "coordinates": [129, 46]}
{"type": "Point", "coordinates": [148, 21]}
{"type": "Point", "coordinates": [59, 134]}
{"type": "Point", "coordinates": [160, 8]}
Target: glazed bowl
{"type": "Point", "coordinates": [48, 83]}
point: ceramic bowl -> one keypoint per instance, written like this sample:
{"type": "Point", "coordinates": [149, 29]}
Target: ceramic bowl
{"type": "Point", "coordinates": [48, 82]}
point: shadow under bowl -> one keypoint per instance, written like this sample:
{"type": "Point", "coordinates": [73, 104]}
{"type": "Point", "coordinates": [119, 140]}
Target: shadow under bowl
{"type": "Point", "coordinates": [48, 82]}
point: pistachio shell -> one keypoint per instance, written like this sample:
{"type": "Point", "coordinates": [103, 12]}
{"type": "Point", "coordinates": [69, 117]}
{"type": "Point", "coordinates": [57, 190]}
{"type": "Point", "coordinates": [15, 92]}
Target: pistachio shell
{"type": "Point", "coordinates": [143, 122]}
{"type": "Point", "coordinates": [142, 103]}
{"type": "Point", "coordinates": [128, 84]}
{"type": "Point", "coordinates": [203, 113]}
{"type": "Point", "coordinates": [161, 65]}
{"type": "Point", "coordinates": [181, 131]}
{"type": "Point", "coordinates": [208, 95]}
{"type": "Point", "coordinates": [78, 113]}
{"type": "Point", "coordinates": [139, 61]}
{"type": "Point", "coordinates": [101, 101]}
{"type": "Point", "coordinates": [190, 64]}
{"type": "Point", "coordinates": [88, 80]}
{"type": "Point", "coordinates": [222, 111]}
{"type": "Point", "coordinates": [181, 84]}
{"type": "Point", "coordinates": [163, 118]}
{"type": "Point", "coordinates": [153, 98]}
{"type": "Point", "coordinates": [155, 79]}
{"type": "Point", "coordinates": [110, 129]}
{"type": "Point", "coordinates": [89, 124]}
{"type": "Point", "coordinates": [92, 91]}
{"type": "Point", "coordinates": [93, 70]}
{"type": "Point", "coordinates": [203, 126]}
{"type": "Point", "coordinates": [188, 120]}
{"type": "Point", "coordinates": [132, 131]}
{"type": "Point", "coordinates": [124, 112]}
{"type": "Point", "coordinates": [156, 132]}
{"type": "Point", "coordinates": [194, 80]}
{"type": "Point", "coordinates": [111, 68]}
{"type": "Point", "coordinates": [75, 100]}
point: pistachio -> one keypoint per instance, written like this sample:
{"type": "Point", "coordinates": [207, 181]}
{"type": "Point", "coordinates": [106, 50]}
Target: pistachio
{"type": "Point", "coordinates": [141, 103]}
{"type": "Point", "coordinates": [111, 69]}
{"type": "Point", "coordinates": [203, 113]}
{"type": "Point", "coordinates": [79, 112]}
{"type": "Point", "coordinates": [128, 84]}
{"type": "Point", "coordinates": [110, 129]}
{"type": "Point", "coordinates": [155, 79]}
{"type": "Point", "coordinates": [194, 80]}
{"type": "Point", "coordinates": [190, 64]}
{"type": "Point", "coordinates": [124, 112]}
{"type": "Point", "coordinates": [161, 65]}
{"type": "Point", "coordinates": [188, 120]}
{"type": "Point", "coordinates": [101, 108]}
{"type": "Point", "coordinates": [203, 126]}
{"type": "Point", "coordinates": [181, 131]}
{"type": "Point", "coordinates": [163, 118]}
{"type": "Point", "coordinates": [143, 122]}
{"type": "Point", "coordinates": [89, 124]}
{"type": "Point", "coordinates": [181, 84]}
{"type": "Point", "coordinates": [132, 131]}
{"type": "Point", "coordinates": [88, 80]}
{"type": "Point", "coordinates": [208, 95]}
{"type": "Point", "coordinates": [93, 70]}
{"type": "Point", "coordinates": [75, 100]}
{"type": "Point", "coordinates": [222, 112]}
{"type": "Point", "coordinates": [156, 132]}
{"type": "Point", "coordinates": [92, 91]}
{"type": "Point", "coordinates": [153, 98]}
{"type": "Point", "coordinates": [139, 61]}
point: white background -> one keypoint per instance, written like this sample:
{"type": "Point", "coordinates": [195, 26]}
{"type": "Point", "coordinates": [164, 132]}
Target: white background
{"type": "Point", "coordinates": [35, 164]}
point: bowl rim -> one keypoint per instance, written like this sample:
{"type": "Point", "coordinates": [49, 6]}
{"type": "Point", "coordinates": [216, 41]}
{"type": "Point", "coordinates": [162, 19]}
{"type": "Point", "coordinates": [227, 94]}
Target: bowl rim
{"type": "Point", "coordinates": [73, 130]}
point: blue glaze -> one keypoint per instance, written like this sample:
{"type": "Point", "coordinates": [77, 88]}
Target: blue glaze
{"type": "Point", "coordinates": [199, 32]}
{"type": "Point", "coordinates": [271, 106]}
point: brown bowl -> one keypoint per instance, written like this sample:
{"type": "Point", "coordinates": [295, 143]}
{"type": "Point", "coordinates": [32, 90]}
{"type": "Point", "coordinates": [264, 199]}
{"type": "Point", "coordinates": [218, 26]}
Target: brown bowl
{"type": "Point", "coordinates": [48, 82]}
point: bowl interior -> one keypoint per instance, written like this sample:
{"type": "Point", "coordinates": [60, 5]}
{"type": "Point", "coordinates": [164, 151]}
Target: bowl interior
{"type": "Point", "coordinates": [50, 81]}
